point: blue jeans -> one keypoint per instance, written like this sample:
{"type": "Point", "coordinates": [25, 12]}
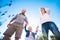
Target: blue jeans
{"type": "Point", "coordinates": [50, 26]}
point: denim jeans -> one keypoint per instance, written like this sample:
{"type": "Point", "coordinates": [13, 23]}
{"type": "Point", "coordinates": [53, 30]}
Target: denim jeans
{"type": "Point", "coordinates": [50, 26]}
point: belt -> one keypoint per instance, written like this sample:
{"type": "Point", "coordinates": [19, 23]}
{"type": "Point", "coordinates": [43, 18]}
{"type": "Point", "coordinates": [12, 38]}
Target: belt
{"type": "Point", "coordinates": [18, 23]}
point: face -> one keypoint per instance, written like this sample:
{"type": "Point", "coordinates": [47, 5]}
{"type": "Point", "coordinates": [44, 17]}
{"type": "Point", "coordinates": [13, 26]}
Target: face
{"type": "Point", "coordinates": [23, 11]}
{"type": "Point", "coordinates": [30, 28]}
{"type": "Point", "coordinates": [42, 10]}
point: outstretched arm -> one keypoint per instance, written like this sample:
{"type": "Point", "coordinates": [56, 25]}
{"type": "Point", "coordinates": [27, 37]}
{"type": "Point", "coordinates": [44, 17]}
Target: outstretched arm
{"type": "Point", "coordinates": [14, 18]}
{"type": "Point", "coordinates": [36, 29]}
{"type": "Point", "coordinates": [48, 11]}
{"type": "Point", "coordinates": [26, 21]}
{"type": "Point", "coordinates": [25, 28]}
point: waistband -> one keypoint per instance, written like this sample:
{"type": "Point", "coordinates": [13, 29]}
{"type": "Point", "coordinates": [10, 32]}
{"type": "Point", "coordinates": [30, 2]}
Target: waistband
{"type": "Point", "coordinates": [48, 22]}
{"type": "Point", "coordinates": [18, 23]}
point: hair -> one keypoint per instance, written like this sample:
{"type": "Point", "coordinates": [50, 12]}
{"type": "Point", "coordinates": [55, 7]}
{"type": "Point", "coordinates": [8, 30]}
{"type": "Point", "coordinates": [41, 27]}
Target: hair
{"type": "Point", "coordinates": [44, 9]}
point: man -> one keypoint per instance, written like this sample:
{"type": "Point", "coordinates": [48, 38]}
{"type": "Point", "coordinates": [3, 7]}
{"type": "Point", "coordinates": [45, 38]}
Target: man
{"type": "Point", "coordinates": [16, 26]}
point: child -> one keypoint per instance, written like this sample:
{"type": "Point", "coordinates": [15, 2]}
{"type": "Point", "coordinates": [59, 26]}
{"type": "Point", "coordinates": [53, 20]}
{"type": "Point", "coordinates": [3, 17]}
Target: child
{"type": "Point", "coordinates": [29, 34]}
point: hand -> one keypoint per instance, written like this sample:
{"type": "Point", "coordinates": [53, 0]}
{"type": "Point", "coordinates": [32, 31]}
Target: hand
{"type": "Point", "coordinates": [26, 25]}
{"type": "Point", "coordinates": [9, 24]}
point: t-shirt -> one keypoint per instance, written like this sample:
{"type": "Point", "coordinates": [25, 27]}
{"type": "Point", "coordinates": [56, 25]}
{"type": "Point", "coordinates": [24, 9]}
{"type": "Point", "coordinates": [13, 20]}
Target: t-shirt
{"type": "Point", "coordinates": [45, 18]}
{"type": "Point", "coordinates": [21, 18]}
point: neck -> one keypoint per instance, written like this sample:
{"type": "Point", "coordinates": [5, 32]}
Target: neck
{"type": "Point", "coordinates": [43, 13]}
{"type": "Point", "coordinates": [23, 14]}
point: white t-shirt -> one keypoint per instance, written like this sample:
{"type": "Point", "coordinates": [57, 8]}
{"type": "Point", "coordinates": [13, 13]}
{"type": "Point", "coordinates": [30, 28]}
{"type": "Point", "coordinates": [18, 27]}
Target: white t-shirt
{"type": "Point", "coordinates": [45, 18]}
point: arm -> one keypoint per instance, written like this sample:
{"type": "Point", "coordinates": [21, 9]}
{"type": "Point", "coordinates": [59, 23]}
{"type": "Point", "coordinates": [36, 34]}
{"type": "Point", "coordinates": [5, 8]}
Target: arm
{"type": "Point", "coordinates": [25, 28]}
{"type": "Point", "coordinates": [26, 21]}
{"type": "Point", "coordinates": [11, 21]}
{"type": "Point", "coordinates": [48, 11]}
{"type": "Point", "coordinates": [14, 18]}
{"type": "Point", "coordinates": [36, 29]}
{"type": "Point", "coordinates": [36, 32]}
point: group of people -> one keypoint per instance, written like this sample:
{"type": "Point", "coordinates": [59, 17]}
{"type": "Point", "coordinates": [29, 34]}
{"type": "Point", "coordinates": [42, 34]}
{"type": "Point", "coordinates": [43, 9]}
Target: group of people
{"type": "Point", "coordinates": [17, 26]}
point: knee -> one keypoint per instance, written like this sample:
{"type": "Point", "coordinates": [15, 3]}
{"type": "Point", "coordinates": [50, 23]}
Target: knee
{"type": "Point", "coordinates": [16, 38]}
{"type": "Point", "coordinates": [6, 37]}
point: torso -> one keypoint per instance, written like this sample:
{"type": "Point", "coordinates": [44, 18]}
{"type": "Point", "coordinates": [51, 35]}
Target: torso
{"type": "Point", "coordinates": [20, 18]}
{"type": "Point", "coordinates": [45, 18]}
{"type": "Point", "coordinates": [30, 37]}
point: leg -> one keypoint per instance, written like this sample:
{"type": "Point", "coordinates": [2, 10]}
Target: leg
{"type": "Point", "coordinates": [16, 38]}
{"type": "Point", "coordinates": [55, 30]}
{"type": "Point", "coordinates": [6, 37]}
{"type": "Point", "coordinates": [45, 31]}
{"type": "Point", "coordinates": [18, 32]}
{"type": "Point", "coordinates": [8, 33]}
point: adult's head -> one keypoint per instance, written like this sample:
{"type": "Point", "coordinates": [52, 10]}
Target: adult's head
{"type": "Point", "coordinates": [43, 10]}
{"type": "Point", "coordinates": [23, 11]}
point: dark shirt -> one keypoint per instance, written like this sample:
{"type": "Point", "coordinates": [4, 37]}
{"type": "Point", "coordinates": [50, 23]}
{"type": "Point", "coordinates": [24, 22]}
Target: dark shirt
{"type": "Point", "coordinates": [28, 33]}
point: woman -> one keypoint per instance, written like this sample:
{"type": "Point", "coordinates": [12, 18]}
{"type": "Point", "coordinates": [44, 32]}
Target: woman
{"type": "Point", "coordinates": [48, 24]}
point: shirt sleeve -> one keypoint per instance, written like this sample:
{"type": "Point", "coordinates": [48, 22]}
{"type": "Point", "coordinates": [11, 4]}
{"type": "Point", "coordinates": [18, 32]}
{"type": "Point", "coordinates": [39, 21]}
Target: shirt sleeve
{"type": "Point", "coordinates": [26, 20]}
{"type": "Point", "coordinates": [26, 29]}
{"type": "Point", "coordinates": [14, 18]}
{"type": "Point", "coordinates": [48, 11]}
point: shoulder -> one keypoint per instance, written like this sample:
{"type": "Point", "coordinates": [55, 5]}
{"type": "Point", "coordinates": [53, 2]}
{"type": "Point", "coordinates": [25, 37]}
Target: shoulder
{"type": "Point", "coordinates": [19, 13]}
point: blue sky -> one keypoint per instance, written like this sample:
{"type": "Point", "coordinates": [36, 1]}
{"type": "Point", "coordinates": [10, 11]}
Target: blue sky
{"type": "Point", "coordinates": [33, 11]}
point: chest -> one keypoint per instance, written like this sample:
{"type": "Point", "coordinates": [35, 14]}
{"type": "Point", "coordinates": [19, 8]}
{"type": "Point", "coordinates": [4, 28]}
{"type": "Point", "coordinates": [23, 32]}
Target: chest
{"type": "Point", "coordinates": [21, 17]}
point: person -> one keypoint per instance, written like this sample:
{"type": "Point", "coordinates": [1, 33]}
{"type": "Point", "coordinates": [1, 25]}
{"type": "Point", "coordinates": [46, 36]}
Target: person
{"type": "Point", "coordinates": [29, 34]}
{"type": "Point", "coordinates": [16, 26]}
{"type": "Point", "coordinates": [48, 24]}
